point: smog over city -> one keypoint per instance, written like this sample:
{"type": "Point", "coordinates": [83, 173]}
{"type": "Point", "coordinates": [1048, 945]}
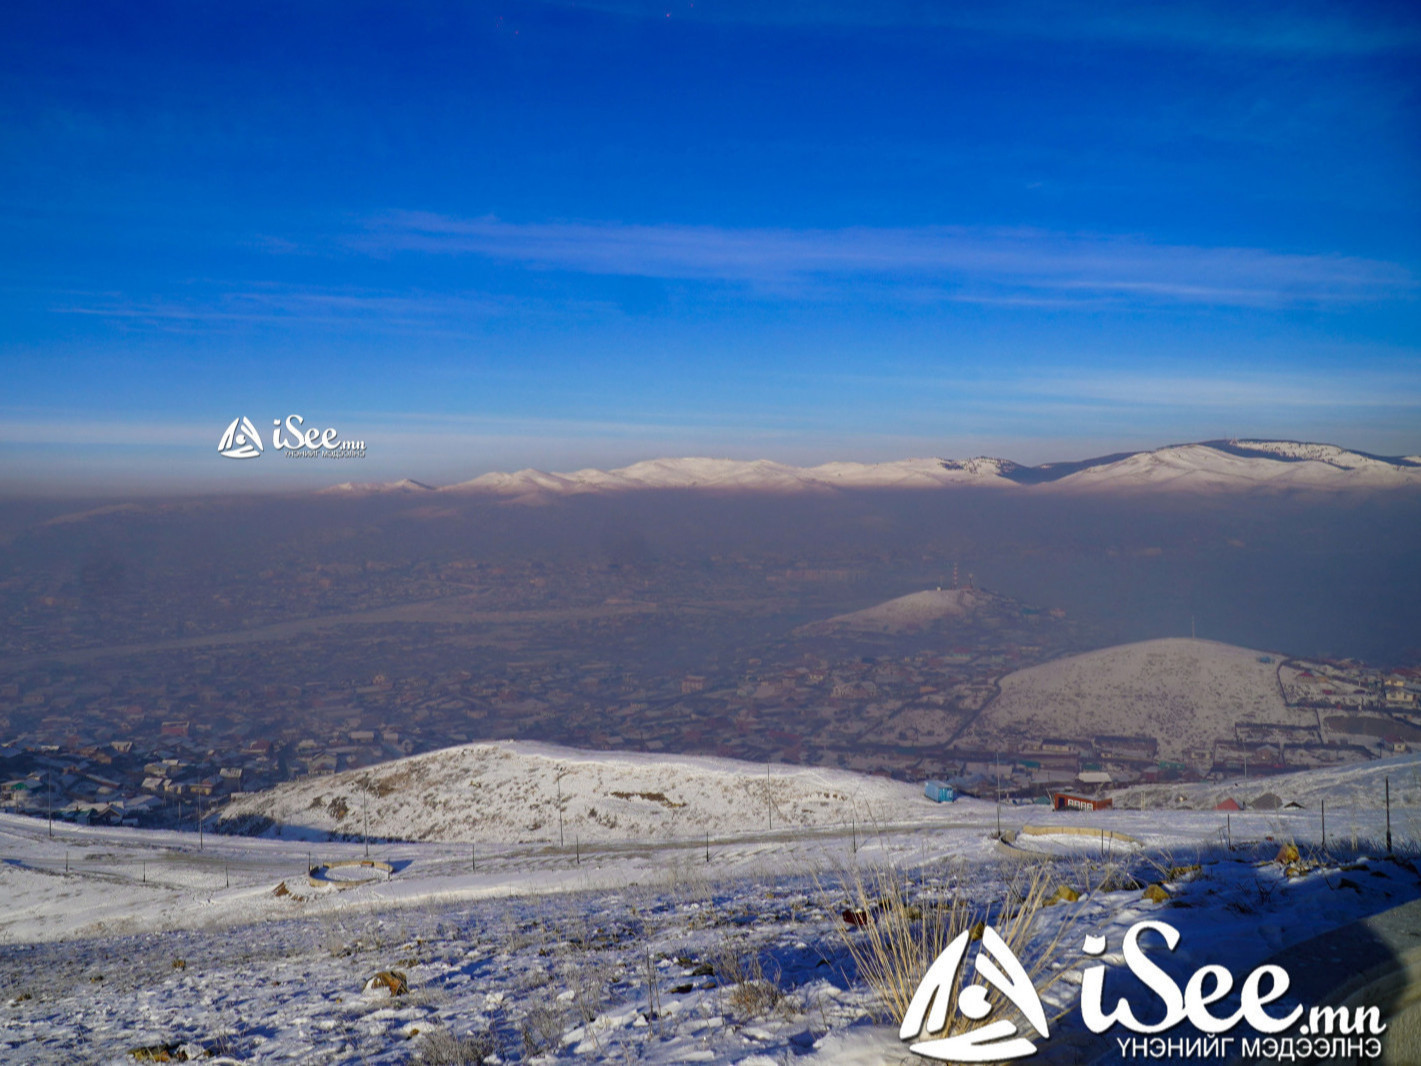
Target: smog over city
{"type": "Point", "coordinates": [598, 532]}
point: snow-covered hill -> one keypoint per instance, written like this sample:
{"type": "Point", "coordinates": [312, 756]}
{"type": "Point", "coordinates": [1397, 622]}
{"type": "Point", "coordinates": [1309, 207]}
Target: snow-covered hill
{"type": "Point", "coordinates": [404, 485]}
{"type": "Point", "coordinates": [1354, 787]}
{"type": "Point", "coordinates": [514, 791]}
{"type": "Point", "coordinates": [1183, 692]}
{"type": "Point", "coordinates": [913, 611]}
{"type": "Point", "coordinates": [1210, 466]}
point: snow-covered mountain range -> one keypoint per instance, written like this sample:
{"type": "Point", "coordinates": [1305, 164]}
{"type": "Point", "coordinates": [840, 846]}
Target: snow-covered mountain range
{"type": "Point", "coordinates": [1206, 467]}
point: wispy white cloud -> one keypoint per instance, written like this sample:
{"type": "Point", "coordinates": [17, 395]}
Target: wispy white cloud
{"type": "Point", "coordinates": [1320, 28]}
{"type": "Point", "coordinates": [962, 263]}
{"type": "Point", "coordinates": [217, 305]}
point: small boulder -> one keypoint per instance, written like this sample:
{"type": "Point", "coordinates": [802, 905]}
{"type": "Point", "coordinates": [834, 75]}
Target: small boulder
{"type": "Point", "coordinates": [1156, 893]}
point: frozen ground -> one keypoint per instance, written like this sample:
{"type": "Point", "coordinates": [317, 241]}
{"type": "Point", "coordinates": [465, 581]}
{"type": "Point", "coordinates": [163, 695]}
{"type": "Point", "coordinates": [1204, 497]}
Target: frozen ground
{"type": "Point", "coordinates": [619, 951]}
{"type": "Point", "coordinates": [524, 792]}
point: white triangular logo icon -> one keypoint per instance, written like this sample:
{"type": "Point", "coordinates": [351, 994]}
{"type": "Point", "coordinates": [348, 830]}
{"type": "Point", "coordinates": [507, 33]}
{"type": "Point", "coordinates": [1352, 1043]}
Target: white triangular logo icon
{"type": "Point", "coordinates": [240, 440]}
{"type": "Point", "coordinates": [991, 1042]}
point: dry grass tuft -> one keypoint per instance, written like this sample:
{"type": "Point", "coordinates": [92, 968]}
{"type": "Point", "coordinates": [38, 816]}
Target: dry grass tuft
{"type": "Point", "coordinates": [894, 950]}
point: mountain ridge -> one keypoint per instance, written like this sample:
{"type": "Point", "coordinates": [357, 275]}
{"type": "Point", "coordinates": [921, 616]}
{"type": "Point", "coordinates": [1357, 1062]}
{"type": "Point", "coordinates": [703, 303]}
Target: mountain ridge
{"type": "Point", "coordinates": [1222, 465]}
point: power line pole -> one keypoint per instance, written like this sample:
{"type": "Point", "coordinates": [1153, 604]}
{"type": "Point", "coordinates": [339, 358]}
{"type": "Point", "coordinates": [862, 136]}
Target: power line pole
{"type": "Point", "coordinates": [999, 795]}
{"type": "Point", "coordinates": [1388, 815]}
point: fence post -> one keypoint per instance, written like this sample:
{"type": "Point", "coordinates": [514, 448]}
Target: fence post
{"type": "Point", "coordinates": [1388, 815]}
{"type": "Point", "coordinates": [1324, 825]}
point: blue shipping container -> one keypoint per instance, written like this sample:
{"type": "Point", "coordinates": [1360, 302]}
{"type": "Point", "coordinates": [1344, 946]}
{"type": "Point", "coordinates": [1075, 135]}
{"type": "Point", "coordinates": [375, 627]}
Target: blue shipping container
{"type": "Point", "coordinates": [940, 791]}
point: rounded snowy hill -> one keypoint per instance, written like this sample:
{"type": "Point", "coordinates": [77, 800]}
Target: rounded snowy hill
{"type": "Point", "coordinates": [913, 611]}
{"type": "Point", "coordinates": [1182, 692]}
{"type": "Point", "coordinates": [512, 792]}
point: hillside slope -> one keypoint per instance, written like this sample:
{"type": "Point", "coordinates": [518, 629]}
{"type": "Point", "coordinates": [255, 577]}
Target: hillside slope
{"type": "Point", "coordinates": [1183, 692]}
{"type": "Point", "coordinates": [904, 613]}
{"type": "Point", "coordinates": [512, 792]}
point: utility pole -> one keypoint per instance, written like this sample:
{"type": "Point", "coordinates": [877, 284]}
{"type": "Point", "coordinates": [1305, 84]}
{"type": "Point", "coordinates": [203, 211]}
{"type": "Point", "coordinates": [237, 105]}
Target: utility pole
{"type": "Point", "coordinates": [562, 842]}
{"type": "Point", "coordinates": [1388, 815]}
{"type": "Point", "coordinates": [1324, 825]}
{"type": "Point", "coordinates": [365, 810]}
{"type": "Point", "coordinates": [49, 780]}
{"type": "Point", "coordinates": [199, 821]}
{"type": "Point", "coordinates": [999, 795]}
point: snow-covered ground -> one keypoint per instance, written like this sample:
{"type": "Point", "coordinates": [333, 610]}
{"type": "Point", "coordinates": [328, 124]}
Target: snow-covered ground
{"type": "Point", "coordinates": [1175, 689]}
{"type": "Point", "coordinates": [647, 950]}
{"type": "Point", "coordinates": [525, 792]}
{"type": "Point", "coordinates": [1353, 787]}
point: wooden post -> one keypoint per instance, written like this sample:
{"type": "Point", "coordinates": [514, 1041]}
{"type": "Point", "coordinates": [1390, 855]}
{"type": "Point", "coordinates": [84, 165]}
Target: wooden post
{"type": "Point", "coordinates": [1229, 828]}
{"type": "Point", "coordinates": [1324, 825]}
{"type": "Point", "coordinates": [473, 858]}
{"type": "Point", "coordinates": [577, 844]}
{"type": "Point", "coordinates": [1388, 815]}
{"type": "Point", "coordinates": [707, 848]}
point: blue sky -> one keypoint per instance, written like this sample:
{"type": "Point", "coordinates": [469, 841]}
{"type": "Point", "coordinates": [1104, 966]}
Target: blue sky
{"type": "Point", "coordinates": [486, 236]}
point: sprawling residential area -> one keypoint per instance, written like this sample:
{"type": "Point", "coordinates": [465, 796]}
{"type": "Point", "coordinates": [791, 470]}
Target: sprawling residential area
{"type": "Point", "coordinates": [955, 684]}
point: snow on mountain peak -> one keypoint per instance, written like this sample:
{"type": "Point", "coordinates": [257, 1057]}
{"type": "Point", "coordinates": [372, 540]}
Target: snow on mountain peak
{"type": "Point", "coordinates": [1235, 464]}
